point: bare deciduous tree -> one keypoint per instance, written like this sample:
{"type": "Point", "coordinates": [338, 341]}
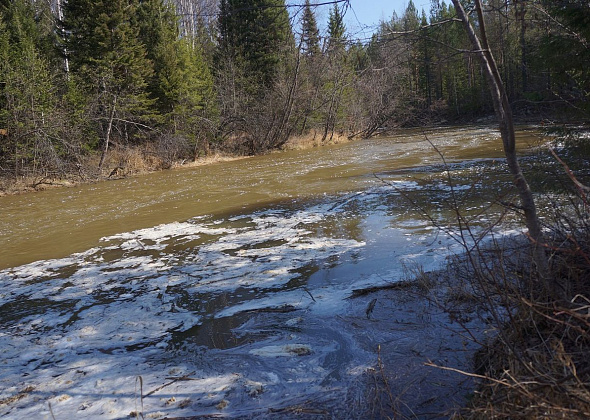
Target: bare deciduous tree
{"type": "Point", "coordinates": [503, 111]}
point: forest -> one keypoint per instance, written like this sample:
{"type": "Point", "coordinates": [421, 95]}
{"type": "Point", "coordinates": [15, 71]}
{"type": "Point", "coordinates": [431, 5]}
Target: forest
{"type": "Point", "coordinates": [89, 88]}
{"type": "Point", "coordinates": [345, 282]}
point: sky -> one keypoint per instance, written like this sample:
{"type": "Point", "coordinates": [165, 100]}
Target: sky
{"type": "Point", "coordinates": [363, 16]}
{"type": "Point", "coordinates": [370, 12]}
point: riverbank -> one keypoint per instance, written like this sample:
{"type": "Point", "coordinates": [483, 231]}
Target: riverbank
{"type": "Point", "coordinates": [500, 349]}
{"type": "Point", "coordinates": [129, 161]}
{"type": "Point", "coordinates": [124, 161]}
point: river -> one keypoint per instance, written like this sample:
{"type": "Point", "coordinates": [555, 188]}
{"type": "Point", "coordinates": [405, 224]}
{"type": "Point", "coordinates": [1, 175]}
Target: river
{"type": "Point", "coordinates": [222, 290]}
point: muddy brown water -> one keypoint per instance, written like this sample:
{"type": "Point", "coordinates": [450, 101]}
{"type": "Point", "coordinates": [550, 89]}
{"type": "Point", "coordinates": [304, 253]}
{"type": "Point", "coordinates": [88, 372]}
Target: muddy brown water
{"type": "Point", "coordinates": [58, 222]}
{"type": "Point", "coordinates": [239, 274]}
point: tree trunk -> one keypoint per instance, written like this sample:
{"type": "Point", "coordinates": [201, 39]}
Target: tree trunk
{"type": "Point", "coordinates": [520, 14]}
{"type": "Point", "coordinates": [107, 137]}
{"type": "Point", "coordinates": [504, 115]}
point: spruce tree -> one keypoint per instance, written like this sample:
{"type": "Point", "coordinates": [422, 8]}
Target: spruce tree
{"type": "Point", "coordinates": [336, 86]}
{"type": "Point", "coordinates": [310, 35]}
{"type": "Point", "coordinates": [336, 30]}
{"type": "Point", "coordinates": [27, 92]}
{"type": "Point", "coordinates": [181, 85]}
{"type": "Point", "coordinates": [410, 19]}
{"type": "Point", "coordinates": [255, 35]}
{"type": "Point", "coordinates": [103, 37]}
{"type": "Point", "coordinates": [106, 53]}
{"type": "Point", "coordinates": [158, 32]}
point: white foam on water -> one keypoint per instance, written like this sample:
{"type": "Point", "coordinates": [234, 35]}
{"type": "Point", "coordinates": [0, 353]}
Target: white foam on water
{"type": "Point", "coordinates": [92, 333]}
{"type": "Point", "coordinates": [98, 323]}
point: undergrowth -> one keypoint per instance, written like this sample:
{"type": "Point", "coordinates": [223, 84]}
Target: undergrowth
{"type": "Point", "coordinates": [534, 363]}
{"type": "Point", "coordinates": [537, 365]}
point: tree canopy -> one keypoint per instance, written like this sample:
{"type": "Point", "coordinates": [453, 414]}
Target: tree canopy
{"type": "Point", "coordinates": [178, 76]}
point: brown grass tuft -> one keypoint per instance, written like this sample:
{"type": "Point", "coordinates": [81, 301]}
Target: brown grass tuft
{"type": "Point", "coordinates": [314, 139]}
{"type": "Point", "coordinates": [538, 365]}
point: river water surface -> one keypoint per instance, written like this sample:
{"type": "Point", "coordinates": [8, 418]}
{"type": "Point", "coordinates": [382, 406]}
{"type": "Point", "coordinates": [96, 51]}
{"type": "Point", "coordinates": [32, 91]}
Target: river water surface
{"type": "Point", "coordinates": [222, 290]}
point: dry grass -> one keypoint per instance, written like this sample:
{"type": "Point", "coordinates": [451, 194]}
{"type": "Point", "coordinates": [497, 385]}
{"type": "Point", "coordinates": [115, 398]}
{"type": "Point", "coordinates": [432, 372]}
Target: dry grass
{"type": "Point", "coordinates": [538, 364]}
{"type": "Point", "coordinates": [314, 139]}
{"type": "Point", "coordinates": [19, 396]}
{"type": "Point", "coordinates": [538, 368]}
{"type": "Point", "coordinates": [131, 160]}
{"type": "Point", "coordinates": [123, 161]}
{"type": "Point", "coordinates": [26, 184]}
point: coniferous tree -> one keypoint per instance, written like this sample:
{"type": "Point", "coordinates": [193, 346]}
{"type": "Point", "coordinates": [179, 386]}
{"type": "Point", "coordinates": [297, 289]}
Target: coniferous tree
{"type": "Point", "coordinates": [180, 74]}
{"type": "Point", "coordinates": [106, 54]}
{"type": "Point", "coordinates": [181, 84]}
{"type": "Point", "coordinates": [438, 13]}
{"type": "Point", "coordinates": [256, 35]}
{"type": "Point", "coordinates": [205, 40]}
{"type": "Point", "coordinates": [569, 78]}
{"type": "Point", "coordinates": [310, 34]}
{"type": "Point", "coordinates": [311, 70]}
{"type": "Point", "coordinates": [4, 39]}
{"type": "Point", "coordinates": [256, 73]}
{"type": "Point", "coordinates": [158, 33]}
{"type": "Point", "coordinates": [410, 23]}
{"type": "Point", "coordinates": [336, 30]}
{"type": "Point", "coordinates": [27, 93]}
{"type": "Point", "coordinates": [424, 77]}
{"type": "Point", "coordinates": [337, 81]}
{"type": "Point", "coordinates": [410, 18]}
